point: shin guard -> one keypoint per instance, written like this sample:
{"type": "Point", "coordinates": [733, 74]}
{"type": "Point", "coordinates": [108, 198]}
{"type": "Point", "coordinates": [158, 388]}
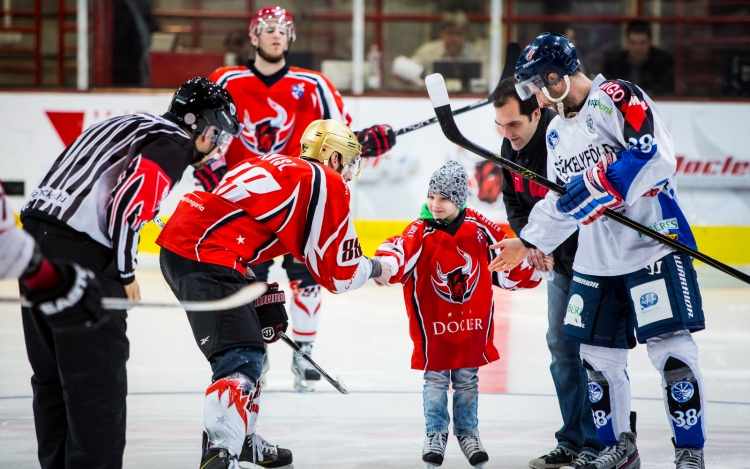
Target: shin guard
{"type": "Point", "coordinates": [305, 311]}
{"type": "Point", "coordinates": [230, 411]}
{"type": "Point", "coordinates": [608, 390]}
{"type": "Point", "coordinates": [676, 357]}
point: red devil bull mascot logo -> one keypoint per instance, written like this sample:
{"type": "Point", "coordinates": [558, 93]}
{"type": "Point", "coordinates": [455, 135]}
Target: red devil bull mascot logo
{"type": "Point", "coordinates": [458, 285]}
{"type": "Point", "coordinates": [270, 134]}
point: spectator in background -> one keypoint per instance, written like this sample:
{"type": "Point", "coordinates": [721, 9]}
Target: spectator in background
{"type": "Point", "coordinates": [131, 40]}
{"type": "Point", "coordinates": [237, 43]}
{"type": "Point", "coordinates": [452, 45]}
{"type": "Point", "coordinates": [641, 63]}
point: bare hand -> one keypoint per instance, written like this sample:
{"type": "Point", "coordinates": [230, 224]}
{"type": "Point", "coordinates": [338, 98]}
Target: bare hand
{"type": "Point", "coordinates": [513, 253]}
{"type": "Point", "coordinates": [385, 275]}
{"type": "Point", "coordinates": [133, 291]}
{"type": "Point", "coordinates": [536, 260]}
{"type": "Point", "coordinates": [549, 261]}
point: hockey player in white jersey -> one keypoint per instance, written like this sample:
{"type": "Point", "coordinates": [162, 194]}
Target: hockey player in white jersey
{"type": "Point", "coordinates": [610, 147]}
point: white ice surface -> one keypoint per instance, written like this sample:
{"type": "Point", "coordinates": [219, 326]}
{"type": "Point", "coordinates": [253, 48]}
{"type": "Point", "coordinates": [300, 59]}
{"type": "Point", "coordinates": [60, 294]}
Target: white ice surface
{"type": "Point", "coordinates": [364, 338]}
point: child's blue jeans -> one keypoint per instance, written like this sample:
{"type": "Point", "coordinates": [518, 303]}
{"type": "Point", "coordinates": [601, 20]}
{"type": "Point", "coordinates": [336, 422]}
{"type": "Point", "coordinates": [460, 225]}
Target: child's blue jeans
{"type": "Point", "coordinates": [465, 398]}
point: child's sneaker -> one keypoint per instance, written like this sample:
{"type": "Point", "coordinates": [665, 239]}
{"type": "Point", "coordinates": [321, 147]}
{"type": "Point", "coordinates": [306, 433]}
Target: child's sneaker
{"type": "Point", "coordinates": [473, 450]}
{"type": "Point", "coordinates": [433, 450]}
{"type": "Point", "coordinates": [555, 459]}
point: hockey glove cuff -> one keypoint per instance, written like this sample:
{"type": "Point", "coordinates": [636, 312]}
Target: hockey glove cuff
{"type": "Point", "coordinates": [271, 313]}
{"type": "Point", "coordinates": [376, 140]}
{"type": "Point", "coordinates": [74, 301]}
{"type": "Point", "coordinates": [588, 196]}
{"type": "Point", "coordinates": [209, 176]}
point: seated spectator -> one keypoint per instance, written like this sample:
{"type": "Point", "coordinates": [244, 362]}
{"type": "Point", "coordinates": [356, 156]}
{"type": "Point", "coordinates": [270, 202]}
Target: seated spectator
{"type": "Point", "coordinates": [641, 63]}
{"type": "Point", "coordinates": [452, 45]}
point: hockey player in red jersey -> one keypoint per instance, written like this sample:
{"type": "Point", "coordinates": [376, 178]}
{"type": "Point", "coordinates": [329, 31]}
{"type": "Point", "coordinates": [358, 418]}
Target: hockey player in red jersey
{"type": "Point", "coordinates": [442, 260]}
{"type": "Point", "coordinates": [264, 207]}
{"type": "Point", "coordinates": [276, 103]}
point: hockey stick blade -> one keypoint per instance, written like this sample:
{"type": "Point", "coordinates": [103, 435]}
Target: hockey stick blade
{"type": "Point", "coordinates": [239, 298]}
{"type": "Point", "coordinates": [441, 103]}
{"type": "Point", "coordinates": [337, 383]}
{"type": "Point", "coordinates": [511, 57]}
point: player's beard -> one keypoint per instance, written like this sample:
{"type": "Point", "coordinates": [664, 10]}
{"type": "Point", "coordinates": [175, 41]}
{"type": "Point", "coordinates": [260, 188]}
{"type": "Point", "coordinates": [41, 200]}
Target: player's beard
{"type": "Point", "coordinates": [269, 58]}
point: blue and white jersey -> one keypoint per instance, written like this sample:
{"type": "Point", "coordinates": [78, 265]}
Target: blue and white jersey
{"type": "Point", "coordinates": [616, 117]}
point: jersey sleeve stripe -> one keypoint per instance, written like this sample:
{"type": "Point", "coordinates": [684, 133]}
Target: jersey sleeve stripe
{"type": "Point", "coordinates": [230, 217]}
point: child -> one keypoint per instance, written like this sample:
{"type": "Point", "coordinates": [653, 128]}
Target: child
{"type": "Point", "coordinates": [442, 261]}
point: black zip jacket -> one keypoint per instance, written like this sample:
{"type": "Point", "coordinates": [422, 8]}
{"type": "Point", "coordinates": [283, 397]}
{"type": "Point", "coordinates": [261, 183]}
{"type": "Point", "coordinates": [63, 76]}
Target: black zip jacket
{"type": "Point", "coordinates": [520, 195]}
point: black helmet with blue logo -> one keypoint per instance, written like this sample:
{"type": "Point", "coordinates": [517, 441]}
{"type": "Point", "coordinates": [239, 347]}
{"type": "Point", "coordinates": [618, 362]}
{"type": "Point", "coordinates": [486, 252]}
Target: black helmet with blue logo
{"type": "Point", "coordinates": [547, 53]}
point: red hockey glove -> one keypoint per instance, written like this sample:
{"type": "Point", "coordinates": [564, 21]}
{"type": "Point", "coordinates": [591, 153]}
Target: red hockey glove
{"type": "Point", "coordinates": [271, 313]}
{"type": "Point", "coordinates": [209, 176]}
{"type": "Point", "coordinates": [376, 140]}
{"type": "Point", "coordinates": [66, 294]}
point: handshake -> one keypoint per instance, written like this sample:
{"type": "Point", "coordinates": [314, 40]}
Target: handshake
{"type": "Point", "coordinates": [381, 271]}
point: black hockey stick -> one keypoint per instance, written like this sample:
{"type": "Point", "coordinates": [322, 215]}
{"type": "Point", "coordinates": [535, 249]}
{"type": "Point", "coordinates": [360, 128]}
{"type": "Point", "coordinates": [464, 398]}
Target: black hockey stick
{"type": "Point", "coordinates": [441, 103]}
{"type": "Point", "coordinates": [337, 383]}
{"type": "Point", "coordinates": [511, 57]}
{"type": "Point", "coordinates": [239, 298]}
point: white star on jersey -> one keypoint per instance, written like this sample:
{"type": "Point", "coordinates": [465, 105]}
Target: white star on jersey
{"type": "Point", "coordinates": [240, 240]}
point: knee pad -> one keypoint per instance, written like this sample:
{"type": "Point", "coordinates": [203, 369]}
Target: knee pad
{"type": "Point", "coordinates": [230, 412]}
{"type": "Point", "coordinates": [608, 391]}
{"type": "Point", "coordinates": [304, 310]}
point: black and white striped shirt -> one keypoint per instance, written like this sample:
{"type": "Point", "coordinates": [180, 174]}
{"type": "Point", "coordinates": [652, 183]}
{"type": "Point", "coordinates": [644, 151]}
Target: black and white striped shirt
{"type": "Point", "coordinates": [110, 181]}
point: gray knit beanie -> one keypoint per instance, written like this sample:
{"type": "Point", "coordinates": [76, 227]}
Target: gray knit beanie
{"type": "Point", "coordinates": [452, 182]}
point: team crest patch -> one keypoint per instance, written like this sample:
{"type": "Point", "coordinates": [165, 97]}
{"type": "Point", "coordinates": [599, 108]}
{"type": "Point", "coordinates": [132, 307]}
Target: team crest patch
{"type": "Point", "coordinates": [459, 284]}
{"type": "Point", "coordinates": [595, 393]}
{"type": "Point", "coordinates": [553, 138]}
{"type": "Point", "coordinates": [590, 124]}
{"type": "Point", "coordinates": [298, 90]}
{"type": "Point", "coordinates": [649, 299]}
{"type": "Point", "coordinates": [682, 391]}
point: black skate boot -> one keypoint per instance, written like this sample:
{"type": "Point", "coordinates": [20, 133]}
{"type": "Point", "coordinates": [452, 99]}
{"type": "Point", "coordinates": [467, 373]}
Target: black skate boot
{"type": "Point", "coordinates": [555, 459]}
{"type": "Point", "coordinates": [305, 375]}
{"type": "Point", "coordinates": [433, 450]}
{"type": "Point", "coordinates": [258, 453]}
{"type": "Point", "coordinates": [624, 455]}
{"type": "Point", "coordinates": [216, 458]}
{"type": "Point", "coordinates": [688, 458]}
{"type": "Point", "coordinates": [472, 448]}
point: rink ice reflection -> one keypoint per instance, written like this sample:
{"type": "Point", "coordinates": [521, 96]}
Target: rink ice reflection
{"type": "Point", "coordinates": [364, 338]}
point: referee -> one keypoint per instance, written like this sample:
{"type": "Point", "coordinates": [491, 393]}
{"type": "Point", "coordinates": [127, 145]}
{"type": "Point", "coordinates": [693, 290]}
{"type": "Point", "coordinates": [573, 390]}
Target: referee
{"type": "Point", "coordinates": [88, 209]}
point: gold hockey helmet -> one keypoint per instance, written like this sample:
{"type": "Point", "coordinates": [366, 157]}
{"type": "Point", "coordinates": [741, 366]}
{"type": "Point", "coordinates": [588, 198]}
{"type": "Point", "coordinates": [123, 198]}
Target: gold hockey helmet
{"type": "Point", "coordinates": [323, 137]}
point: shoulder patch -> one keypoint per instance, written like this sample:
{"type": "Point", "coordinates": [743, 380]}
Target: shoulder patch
{"type": "Point", "coordinates": [553, 138]}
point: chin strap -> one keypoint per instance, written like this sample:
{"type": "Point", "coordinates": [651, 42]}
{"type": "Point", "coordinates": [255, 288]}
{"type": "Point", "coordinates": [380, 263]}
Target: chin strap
{"type": "Point", "coordinates": [559, 101]}
{"type": "Point", "coordinates": [200, 155]}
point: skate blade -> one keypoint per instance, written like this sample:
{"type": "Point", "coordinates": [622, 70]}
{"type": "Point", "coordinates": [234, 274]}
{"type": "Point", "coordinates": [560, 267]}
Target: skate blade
{"type": "Point", "coordinates": [303, 386]}
{"type": "Point", "coordinates": [249, 465]}
{"type": "Point", "coordinates": [429, 465]}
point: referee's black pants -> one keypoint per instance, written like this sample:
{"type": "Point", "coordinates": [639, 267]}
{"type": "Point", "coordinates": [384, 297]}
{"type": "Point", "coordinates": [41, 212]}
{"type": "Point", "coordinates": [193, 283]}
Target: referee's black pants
{"type": "Point", "coordinates": [79, 381]}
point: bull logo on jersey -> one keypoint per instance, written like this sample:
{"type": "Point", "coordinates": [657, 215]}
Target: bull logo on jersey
{"type": "Point", "coordinates": [459, 284]}
{"type": "Point", "coordinates": [270, 134]}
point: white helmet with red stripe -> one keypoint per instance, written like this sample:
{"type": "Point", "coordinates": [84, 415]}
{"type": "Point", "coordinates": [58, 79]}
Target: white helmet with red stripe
{"type": "Point", "coordinates": [273, 17]}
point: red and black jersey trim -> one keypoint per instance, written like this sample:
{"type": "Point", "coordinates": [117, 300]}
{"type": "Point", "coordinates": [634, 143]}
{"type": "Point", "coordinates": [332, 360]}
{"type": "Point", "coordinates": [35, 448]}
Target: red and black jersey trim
{"type": "Point", "coordinates": [225, 220]}
{"type": "Point", "coordinates": [317, 180]}
{"type": "Point", "coordinates": [418, 316]}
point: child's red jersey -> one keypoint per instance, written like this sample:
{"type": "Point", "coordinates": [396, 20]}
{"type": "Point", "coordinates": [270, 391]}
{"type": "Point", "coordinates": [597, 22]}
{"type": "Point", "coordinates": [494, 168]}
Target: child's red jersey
{"type": "Point", "coordinates": [269, 206]}
{"type": "Point", "coordinates": [448, 288]}
{"type": "Point", "coordinates": [276, 110]}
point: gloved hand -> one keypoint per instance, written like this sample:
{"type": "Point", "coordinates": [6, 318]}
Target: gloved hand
{"type": "Point", "coordinates": [376, 140]}
{"type": "Point", "coordinates": [74, 299]}
{"type": "Point", "coordinates": [589, 194]}
{"type": "Point", "coordinates": [271, 313]}
{"type": "Point", "coordinates": [209, 176]}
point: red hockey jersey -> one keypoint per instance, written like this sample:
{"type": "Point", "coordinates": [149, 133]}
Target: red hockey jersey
{"type": "Point", "coordinates": [448, 288]}
{"type": "Point", "coordinates": [277, 109]}
{"type": "Point", "coordinates": [269, 206]}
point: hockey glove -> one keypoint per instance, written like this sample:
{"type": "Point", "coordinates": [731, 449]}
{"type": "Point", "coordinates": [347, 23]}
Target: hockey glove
{"type": "Point", "coordinates": [376, 140]}
{"type": "Point", "coordinates": [589, 195]}
{"type": "Point", "coordinates": [74, 301]}
{"type": "Point", "coordinates": [209, 176]}
{"type": "Point", "coordinates": [271, 313]}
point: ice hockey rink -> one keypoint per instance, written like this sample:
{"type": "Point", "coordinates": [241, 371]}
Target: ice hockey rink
{"type": "Point", "coordinates": [364, 339]}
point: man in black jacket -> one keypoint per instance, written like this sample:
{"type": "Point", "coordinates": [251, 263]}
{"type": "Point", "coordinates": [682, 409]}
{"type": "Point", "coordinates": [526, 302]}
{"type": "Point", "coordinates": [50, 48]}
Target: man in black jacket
{"type": "Point", "coordinates": [523, 124]}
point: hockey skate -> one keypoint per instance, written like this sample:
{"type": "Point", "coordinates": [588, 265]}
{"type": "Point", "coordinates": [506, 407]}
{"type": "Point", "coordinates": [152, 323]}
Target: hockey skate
{"type": "Point", "coordinates": [472, 448]}
{"type": "Point", "coordinates": [555, 459]}
{"type": "Point", "coordinates": [581, 461]}
{"type": "Point", "coordinates": [624, 455]}
{"type": "Point", "coordinates": [216, 458]}
{"type": "Point", "coordinates": [258, 453]}
{"type": "Point", "coordinates": [688, 458]}
{"type": "Point", "coordinates": [305, 376]}
{"type": "Point", "coordinates": [433, 450]}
